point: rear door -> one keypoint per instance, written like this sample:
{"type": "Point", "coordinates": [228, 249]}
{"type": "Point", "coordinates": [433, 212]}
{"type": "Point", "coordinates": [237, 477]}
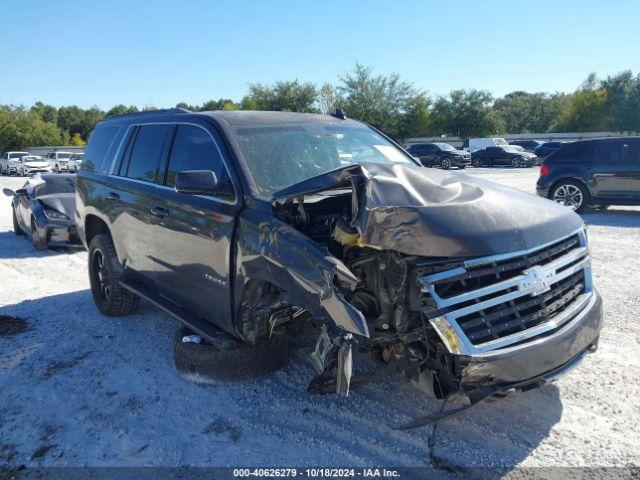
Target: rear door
{"type": "Point", "coordinates": [128, 196]}
{"type": "Point", "coordinates": [610, 170]}
{"type": "Point", "coordinates": [192, 234]}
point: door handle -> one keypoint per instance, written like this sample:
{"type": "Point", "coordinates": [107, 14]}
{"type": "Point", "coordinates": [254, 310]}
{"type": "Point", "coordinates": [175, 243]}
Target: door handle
{"type": "Point", "coordinates": [159, 211]}
{"type": "Point", "coordinates": [113, 196]}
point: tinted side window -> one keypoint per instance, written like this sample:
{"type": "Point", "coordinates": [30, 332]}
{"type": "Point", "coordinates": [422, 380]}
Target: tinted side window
{"type": "Point", "coordinates": [609, 152]}
{"type": "Point", "coordinates": [150, 143]}
{"type": "Point", "coordinates": [194, 149]}
{"type": "Point", "coordinates": [98, 146]}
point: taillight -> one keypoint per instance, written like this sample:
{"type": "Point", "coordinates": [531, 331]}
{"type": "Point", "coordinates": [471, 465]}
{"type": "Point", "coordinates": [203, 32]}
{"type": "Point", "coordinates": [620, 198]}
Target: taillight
{"type": "Point", "coordinates": [544, 170]}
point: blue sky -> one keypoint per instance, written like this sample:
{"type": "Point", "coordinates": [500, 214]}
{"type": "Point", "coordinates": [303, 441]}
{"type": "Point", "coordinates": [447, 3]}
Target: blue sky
{"type": "Point", "coordinates": [162, 52]}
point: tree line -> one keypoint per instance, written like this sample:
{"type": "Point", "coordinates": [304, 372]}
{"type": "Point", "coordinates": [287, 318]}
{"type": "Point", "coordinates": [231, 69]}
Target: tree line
{"type": "Point", "coordinates": [389, 103]}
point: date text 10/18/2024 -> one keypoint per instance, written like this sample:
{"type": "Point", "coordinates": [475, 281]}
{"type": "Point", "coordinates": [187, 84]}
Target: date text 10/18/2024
{"type": "Point", "coordinates": [317, 472]}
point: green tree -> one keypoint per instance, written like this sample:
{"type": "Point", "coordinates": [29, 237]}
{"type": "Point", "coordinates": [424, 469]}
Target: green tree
{"type": "Point", "coordinates": [622, 101]}
{"type": "Point", "coordinates": [291, 96]}
{"type": "Point", "coordinates": [466, 113]}
{"type": "Point", "coordinates": [121, 109]}
{"type": "Point", "coordinates": [586, 109]}
{"type": "Point", "coordinates": [524, 112]}
{"type": "Point", "coordinates": [328, 99]}
{"type": "Point", "coordinates": [388, 103]}
{"type": "Point", "coordinates": [20, 128]}
{"type": "Point", "coordinates": [220, 104]}
{"type": "Point", "coordinates": [48, 113]}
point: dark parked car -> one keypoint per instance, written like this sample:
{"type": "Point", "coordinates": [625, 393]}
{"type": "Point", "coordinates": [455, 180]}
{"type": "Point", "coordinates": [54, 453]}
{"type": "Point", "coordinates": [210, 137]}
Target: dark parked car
{"type": "Point", "coordinates": [547, 148]}
{"type": "Point", "coordinates": [593, 172]}
{"type": "Point", "coordinates": [528, 145]}
{"type": "Point", "coordinates": [44, 209]}
{"type": "Point", "coordinates": [261, 224]}
{"type": "Point", "coordinates": [440, 154]}
{"type": "Point", "coordinates": [492, 156]}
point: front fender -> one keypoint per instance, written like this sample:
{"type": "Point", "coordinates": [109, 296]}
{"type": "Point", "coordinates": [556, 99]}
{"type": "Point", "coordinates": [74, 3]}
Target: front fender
{"type": "Point", "coordinates": [271, 250]}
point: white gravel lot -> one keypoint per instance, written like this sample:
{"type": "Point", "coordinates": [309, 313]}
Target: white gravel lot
{"type": "Point", "coordinates": [82, 389]}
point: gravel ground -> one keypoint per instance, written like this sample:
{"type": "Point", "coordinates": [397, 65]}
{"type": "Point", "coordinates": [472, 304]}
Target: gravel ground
{"type": "Point", "coordinates": [79, 388]}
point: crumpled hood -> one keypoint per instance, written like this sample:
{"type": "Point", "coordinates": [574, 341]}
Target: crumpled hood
{"type": "Point", "coordinates": [62, 202]}
{"type": "Point", "coordinates": [437, 213]}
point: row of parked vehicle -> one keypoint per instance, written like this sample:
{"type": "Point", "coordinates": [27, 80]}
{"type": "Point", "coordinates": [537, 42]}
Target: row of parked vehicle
{"type": "Point", "coordinates": [249, 227]}
{"type": "Point", "coordinates": [24, 163]}
{"type": "Point", "coordinates": [483, 152]}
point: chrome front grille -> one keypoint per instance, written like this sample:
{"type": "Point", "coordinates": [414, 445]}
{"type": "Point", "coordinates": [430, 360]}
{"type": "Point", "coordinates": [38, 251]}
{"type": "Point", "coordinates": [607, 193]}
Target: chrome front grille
{"type": "Point", "coordinates": [496, 301]}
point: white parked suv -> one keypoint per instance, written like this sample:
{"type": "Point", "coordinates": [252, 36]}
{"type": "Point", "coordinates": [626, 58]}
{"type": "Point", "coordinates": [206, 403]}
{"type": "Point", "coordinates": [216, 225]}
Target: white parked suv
{"type": "Point", "coordinates": [10, 162]}
{"type": "Point", "coordinates": [32, 164]}
{"type": "Point", "coordinates": [75, 162]}
{"type": "Point", "coordinates": [59, 161]}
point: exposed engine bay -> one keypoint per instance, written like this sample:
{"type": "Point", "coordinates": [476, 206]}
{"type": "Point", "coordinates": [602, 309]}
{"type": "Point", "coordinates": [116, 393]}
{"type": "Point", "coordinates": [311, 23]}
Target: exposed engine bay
{"type": "Point", "coordinates": [388, 293]}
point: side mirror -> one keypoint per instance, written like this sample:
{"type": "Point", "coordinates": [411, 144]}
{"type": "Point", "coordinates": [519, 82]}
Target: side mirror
{"type": "Point", "coordinates": [197, 182]}
{"type": "Point", "coordinates": [8, 192]}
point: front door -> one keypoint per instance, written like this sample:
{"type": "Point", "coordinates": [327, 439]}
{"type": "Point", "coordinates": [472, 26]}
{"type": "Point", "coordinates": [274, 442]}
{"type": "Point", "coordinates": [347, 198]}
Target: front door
{"type": "Point", "coordinates": [192, 234]}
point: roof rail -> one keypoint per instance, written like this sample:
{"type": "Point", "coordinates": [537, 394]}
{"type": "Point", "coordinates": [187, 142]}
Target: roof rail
{"type": "Point", "coordinates": [151, 112]}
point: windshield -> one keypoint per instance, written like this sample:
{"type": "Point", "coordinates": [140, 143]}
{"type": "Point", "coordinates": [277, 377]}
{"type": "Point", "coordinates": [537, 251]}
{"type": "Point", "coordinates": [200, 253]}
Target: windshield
{"type": "Point", "coordinates": [18, 154]}
{"type": "Point", "coordinates": [63, 155]}
{"type": "Point", "coordinates": [500, 141]}
{"type": "Point", "coordinates": [283, 155]}
{"type": "Point", "coordinates": [31, 158]}
{"type": "Point", "coordinates": [445, 147]}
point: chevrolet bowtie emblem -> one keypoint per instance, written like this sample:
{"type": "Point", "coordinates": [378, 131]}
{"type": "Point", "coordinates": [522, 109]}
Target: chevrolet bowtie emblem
{"type": "Point", "coordinates": [537, 280]}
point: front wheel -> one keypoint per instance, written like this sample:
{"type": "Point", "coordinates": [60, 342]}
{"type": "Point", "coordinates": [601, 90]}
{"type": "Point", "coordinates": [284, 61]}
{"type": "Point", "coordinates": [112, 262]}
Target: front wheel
{"type": "Point", "coordinates": [445, 163]}
{"type": "Point", "coordinates": [476, 163]}
{"type": "Point", "coordinates": [105, 273]}
{"type": "Point", "coordinates": [570, 194]}
{"type": "Point", "coordinates": [515, 163]}
{"type": "Point", "coordinates": [38, 236]}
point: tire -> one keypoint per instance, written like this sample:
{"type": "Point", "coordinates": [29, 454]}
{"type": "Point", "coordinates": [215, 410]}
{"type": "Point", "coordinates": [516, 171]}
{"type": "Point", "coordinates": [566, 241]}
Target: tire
{"type": "Point", "coordinates": [515, 163]}
{"type": "Point", "coordinates": [56, 169]}
{"type": "Point", "coordinates": [16, 226]}
{"type": "Point", "coordinates": [38, 237]}
{"type": "Point", "coordinates": [571, 194]}
{"type": "Point", "coordinates": [445, 164]}
{"type": "Point", "coordinates": [476, 163]}
{"type": "Point", "coordinates": [105, 272]}
{"type": "Point", "coordinates": [228, 360]}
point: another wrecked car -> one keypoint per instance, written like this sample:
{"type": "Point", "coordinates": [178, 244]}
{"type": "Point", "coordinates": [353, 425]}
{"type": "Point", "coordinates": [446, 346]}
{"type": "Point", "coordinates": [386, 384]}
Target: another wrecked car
{"type": "Point", "coordinates": [44, 209]}
{"type": "Point", "coordinates": [247, 222]}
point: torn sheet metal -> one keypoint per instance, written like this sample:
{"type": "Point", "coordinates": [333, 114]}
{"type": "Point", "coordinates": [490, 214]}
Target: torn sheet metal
{"type": "Point", "coordinates": [271, 250]}
{"type": "Point", "coordinates": [437, 213]}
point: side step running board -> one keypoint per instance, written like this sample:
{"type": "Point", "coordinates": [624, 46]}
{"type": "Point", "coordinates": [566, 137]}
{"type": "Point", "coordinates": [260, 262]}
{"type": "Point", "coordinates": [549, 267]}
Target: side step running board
{"type": "Point", "coordinates": [193, 323]}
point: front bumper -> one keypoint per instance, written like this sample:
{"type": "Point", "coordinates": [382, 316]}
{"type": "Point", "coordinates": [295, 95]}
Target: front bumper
{"type": "Point", "coordinates": [33, 171]}
{"type": "Point", "coordinates": [458, 162]}
{"type": "Point", "coordinates": [62, 233]}
{"type": "Point", "coordinates": [546, 355]}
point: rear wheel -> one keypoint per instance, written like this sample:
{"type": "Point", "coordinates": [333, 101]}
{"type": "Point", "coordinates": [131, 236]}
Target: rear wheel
{"type": "Point", "coordinates": [38, 236]}
{"type": "Point", "coordinates": [105, 273]}
{"type": "Point", "coordinates": [570, 194]}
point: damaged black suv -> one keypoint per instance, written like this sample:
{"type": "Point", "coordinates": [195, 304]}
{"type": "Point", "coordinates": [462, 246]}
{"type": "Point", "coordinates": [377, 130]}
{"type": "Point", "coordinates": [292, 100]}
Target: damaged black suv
{"type": "Point", "coordinates": [247, 222]}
